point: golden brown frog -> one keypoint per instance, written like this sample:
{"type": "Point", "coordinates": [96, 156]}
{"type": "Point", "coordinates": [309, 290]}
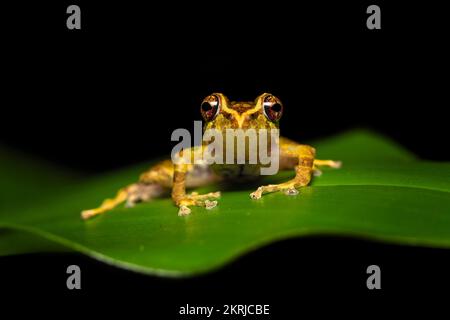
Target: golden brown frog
{"type": "Point", "coordinates": [221, 114]}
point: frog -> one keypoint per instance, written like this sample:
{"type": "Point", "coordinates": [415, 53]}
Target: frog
{"type": "Point", "coordinates": [219, 113]}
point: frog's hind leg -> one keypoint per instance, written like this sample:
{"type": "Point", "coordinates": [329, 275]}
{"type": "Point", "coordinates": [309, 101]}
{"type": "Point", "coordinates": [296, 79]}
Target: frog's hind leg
{"type": "Point", "coordinates": [107, 204]}
{"type": "Point", "coordinates": [132, 194]}
{"type": "Point", "coordinates": [152, 184]}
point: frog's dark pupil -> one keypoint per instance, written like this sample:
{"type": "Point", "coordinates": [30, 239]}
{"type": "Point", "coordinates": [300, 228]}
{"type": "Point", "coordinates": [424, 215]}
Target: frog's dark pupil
{"type": "Point", "coordinates": [206, 106]}
{"type": "Point", "coordinates": [276, 107]}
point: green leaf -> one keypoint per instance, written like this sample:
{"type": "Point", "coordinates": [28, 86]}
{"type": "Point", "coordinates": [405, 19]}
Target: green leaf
{"type": "Point", "coordinates": [382, 192]}
{"type": "Point", "coordinates": [14, 243]}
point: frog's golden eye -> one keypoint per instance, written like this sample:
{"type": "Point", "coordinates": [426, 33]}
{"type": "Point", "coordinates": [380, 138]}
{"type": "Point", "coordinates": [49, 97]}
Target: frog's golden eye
{"type": "Point", "coordinates": [210, 107]}
{"type": "Point", "coordinates": [273, 108]}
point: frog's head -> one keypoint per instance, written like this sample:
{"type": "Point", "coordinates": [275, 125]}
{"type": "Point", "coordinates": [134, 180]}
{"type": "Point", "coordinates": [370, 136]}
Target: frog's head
{"type": "Point", "coordinates": [221, 114]}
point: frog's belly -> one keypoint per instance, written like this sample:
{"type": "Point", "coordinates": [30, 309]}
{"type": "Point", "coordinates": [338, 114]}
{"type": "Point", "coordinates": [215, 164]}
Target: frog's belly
{"type": "Point", "coordinates": [237, 171]}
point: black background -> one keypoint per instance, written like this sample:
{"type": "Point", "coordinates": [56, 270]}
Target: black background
{"type": "Point", "coordinates": [111, 94]}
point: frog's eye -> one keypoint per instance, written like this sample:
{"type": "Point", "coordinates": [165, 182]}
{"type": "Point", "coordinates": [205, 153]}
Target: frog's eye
{"type": "Point", "coordinates": [273, 109]}
{"type": "Point", "coordinates": [210, 107]}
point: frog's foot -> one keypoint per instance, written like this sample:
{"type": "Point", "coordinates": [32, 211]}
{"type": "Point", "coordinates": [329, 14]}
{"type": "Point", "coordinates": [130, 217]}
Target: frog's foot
{"type": "Point", "coordinates": [195, 199]}
{"type": "Point", "coordinates": [328, 163]}
{"type": "Point", "coordinates": [288, 188]}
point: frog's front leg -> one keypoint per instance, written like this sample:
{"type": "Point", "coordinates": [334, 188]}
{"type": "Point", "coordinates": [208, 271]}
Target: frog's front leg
{"type": "Point", "coordinates": [183, 200]}
{"type": "Point", "coordinates": [303, 157]}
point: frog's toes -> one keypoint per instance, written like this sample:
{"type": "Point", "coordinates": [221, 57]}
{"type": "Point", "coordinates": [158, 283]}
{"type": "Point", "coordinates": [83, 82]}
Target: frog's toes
{"type": "Point", "coordinates": [86, 214]}
{"type": "Point", "coordinates": [257, 194]}
{"type": "Point", "coordinates": [184, 211]}
{"type": "Point", "coordinates": [210, 204]}
{"type": "Point", "coordinates": [336, 164]}
{"type": "Point", "coordinates": [291, 192]}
